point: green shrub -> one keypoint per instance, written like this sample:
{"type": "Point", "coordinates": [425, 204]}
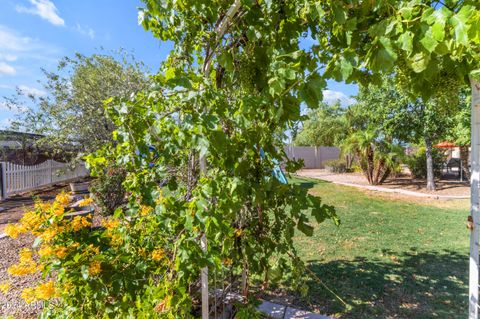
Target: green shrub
{"type": "Point", "coordinates": [108, 190]}
{"type": "Point", "coordinates": [417, 163]}
{"type": "Point", "coordinates": [336, 166]}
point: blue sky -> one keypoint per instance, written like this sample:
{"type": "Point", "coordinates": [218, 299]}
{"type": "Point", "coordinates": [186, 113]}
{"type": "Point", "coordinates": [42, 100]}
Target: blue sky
{"type": "Point", "coordinates": [35, 34]}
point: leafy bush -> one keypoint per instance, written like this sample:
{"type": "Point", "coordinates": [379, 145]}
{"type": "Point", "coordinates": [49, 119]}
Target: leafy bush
{"type": "Point", "coordinates": [108, 189]}
{"type": "Point", "coordinates": [417, 163]}
{"type": "Point", "coordinates": [336, 166]}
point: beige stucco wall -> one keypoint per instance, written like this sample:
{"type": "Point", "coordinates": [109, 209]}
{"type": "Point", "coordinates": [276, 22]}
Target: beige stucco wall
{"type": "Point", "coordinates": [313, 157]}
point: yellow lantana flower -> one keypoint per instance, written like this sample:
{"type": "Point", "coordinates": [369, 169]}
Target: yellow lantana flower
{"type": "Point", "coordinates": [145, 210]}
{"type": "Point", "coordinates": [31, 221]}
{"type": "Point", "coordinates": [95, 250]}
{"type": "Point", "coordinates": [46, 250]}
{"type": "Point", "coordinates": [45, 291]}
{"type": "Point", "coordinates": [95, 268]}
{"type": "Point", "coordinates": [61, 252]}
{"type": "Point", "coordinates": [158, 254]}
{"type": "Point", "coordinates": [116, 240]}
{"type": "Point", "coordinates": [41, 206]}
{"type": "Point", "coordinates": [26, 266]}
{"type": "Point", "coordinates": [58, 209]}
{"type": "Point", "coordinates": [13, 230]}
{"type": "Point", "coordinates": [5, 287]}
{"type": "Point", "coordinates": [110, 223]}
{"type": "Point", "coordinates": [28, 294]}
{"type": "Point", "coordinates": [85, 202]}
{"type": "Point", "coordinates": [22, 270]}
{"type": "Point", "coordinates": [63, 199]}
{"type": "Point", "coordinates": [26, 256]}
{"type": "Point", "coordinates": [49, 234]}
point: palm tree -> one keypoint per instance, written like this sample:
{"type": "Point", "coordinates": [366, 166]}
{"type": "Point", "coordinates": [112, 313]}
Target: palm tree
{"type": "Point", "coordinates": [376, 156]}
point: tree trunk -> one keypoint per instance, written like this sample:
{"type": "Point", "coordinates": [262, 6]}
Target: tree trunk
{"type": "Point", "coordinates": [464, 160]}
{"type": "Point", "coordinates": [430, 174]}
{"type": "Point", "coordinates": [370, 165]}
{"type": "Point", "coordinates": [348, 160]}
{"type": "Point", "coordinates": [385, 176]}
{"type": "Point", "coordinates": [380, 169]}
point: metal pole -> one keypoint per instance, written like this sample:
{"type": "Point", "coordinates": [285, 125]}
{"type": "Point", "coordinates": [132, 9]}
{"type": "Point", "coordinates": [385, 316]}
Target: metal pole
{"type": "Point", "coordinates": [204, 273]}
{"type": "Point", "coordinates": [474, 209]}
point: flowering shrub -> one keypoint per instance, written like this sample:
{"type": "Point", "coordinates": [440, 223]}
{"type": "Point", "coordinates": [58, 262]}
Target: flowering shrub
{"type": "Point", "coordinates": [86, 268]}
{"type": "Point", "coordinates": [58, 240]}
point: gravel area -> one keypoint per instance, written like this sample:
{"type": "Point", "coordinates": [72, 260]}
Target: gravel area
{"type": "Point", "coordinates": [12, 304]}
{"type": "Point", "coordinates": [448, 187]}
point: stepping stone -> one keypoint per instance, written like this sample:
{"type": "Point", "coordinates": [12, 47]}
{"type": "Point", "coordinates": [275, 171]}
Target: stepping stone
{"type": "Point", "coordinates": [272, 310]}
{"type": "Point", "coordinates": [79, 213]}
{"type": "Point", "coordinates": [292, 313]}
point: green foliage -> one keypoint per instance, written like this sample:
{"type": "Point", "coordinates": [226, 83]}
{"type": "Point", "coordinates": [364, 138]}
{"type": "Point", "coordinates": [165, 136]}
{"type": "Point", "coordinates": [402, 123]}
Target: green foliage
{"type": "Point", "coordinates": [230, 88]}
{"type": "Point", "coordinates": [433, 45]}
{"type": "Point", "coordinates": [325, 126]}
{"type": "Point", "coordinates": [417, 163]}
{"type": "Point", "coordinates": [460, 133]}
{"type": "Point", "coordinates": [71, 115]}
{"type": "Point", "coordinates": [108, 191]}
{"type": "Point", "coordinates": [336, 166]}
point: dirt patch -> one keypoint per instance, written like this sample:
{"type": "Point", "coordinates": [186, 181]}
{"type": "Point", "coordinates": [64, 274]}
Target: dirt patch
{"type": "Point", "coordinates": [445, 187]}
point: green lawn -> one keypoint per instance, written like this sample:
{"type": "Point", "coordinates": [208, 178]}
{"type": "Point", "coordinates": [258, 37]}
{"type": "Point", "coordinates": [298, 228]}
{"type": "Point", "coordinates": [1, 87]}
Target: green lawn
{"type": "Point", "coordinates": [388, 258]}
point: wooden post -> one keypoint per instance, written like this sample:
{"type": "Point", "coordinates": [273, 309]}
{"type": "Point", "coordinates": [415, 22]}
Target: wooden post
{"type": "Point", "coordinates": [474, 209]}
{"type": "Point", "coordinates": [3, 180]}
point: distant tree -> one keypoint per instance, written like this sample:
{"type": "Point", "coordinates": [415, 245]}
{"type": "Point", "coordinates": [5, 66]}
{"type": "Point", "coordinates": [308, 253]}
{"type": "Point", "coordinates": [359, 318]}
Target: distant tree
{"type": "Point", "coordinates": [72, 115]}
{"type": "Point", "coordinates": [325, 126]}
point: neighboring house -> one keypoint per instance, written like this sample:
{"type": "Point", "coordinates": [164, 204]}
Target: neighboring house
{"type": "Point", "coordinates": [20, 148]}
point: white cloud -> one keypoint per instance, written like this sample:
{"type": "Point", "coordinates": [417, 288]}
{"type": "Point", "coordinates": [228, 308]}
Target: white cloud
{"type": "Point", "coordinates": [15, 46]}
{"type": "Point", "coordinates": [31, 91]}
{"type": "Point", "coordinates": [44, 9]}
{"type": "Point", "coordinates": [12, 42]}
{"type": "Point", "coordinates": [86, 31]}
{"type": "Point", "coordinates": [7, 69]}
{"type": "Point", "coordinates": [331, 97]}
{"type": "Point", "coordinates": [8, 57]}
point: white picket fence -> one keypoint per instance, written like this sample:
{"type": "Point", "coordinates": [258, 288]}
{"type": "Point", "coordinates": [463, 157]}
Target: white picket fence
{"type": "Point", "coordinates": [20, 178]}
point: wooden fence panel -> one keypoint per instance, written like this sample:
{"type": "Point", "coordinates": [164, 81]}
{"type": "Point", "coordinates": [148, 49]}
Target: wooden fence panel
{"type": "Point", "coordinates": [20, 178]}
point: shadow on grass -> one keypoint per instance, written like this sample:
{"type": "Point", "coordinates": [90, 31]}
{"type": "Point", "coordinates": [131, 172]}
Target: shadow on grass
{"type": "Point", "coordinates": [410, 285]}
{"type": "Point", "coordinates": [306, 182]}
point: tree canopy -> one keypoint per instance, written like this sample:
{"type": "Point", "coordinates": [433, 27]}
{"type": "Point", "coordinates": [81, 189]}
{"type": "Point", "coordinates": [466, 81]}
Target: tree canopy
{"type": "Point", "coordinates": [325, 126]}
{"type": "Point", "coordinates": [72, 115]}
